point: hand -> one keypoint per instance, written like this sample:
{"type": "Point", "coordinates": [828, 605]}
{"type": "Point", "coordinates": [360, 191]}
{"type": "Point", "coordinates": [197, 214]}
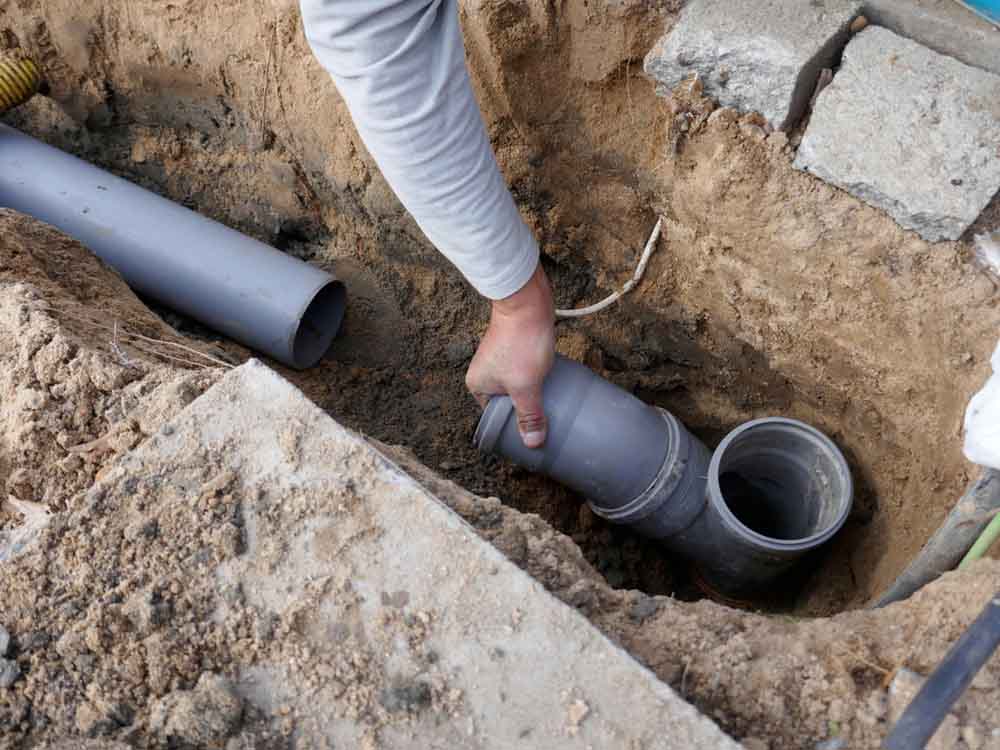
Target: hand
{"type": "Point", "coordinates": [516, 354]}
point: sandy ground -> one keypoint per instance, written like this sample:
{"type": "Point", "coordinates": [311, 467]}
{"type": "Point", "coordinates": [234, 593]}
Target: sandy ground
{"type": "Point", "coordinates": [771, 294]}
{"type": "Point", "coordinates": [117, 641]}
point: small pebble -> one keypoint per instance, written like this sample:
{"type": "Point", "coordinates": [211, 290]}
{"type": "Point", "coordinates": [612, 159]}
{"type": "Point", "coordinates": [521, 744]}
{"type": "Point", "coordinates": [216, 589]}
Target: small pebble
{"type": "Point", "coordinates": [643, 609]}
{"type": "Point", "coordinates": [407, 697]}
{"type": "Point", "coordinates": [9, 672]}
{"type": "Point", "coordinates": [858, 24]}
{"type": "Point", "coordinates": [4, 641]}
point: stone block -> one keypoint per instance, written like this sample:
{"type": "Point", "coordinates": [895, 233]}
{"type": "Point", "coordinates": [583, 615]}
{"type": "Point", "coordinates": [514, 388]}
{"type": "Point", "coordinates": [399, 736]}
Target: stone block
{"type": "Point", "coordinates": [909, 131]}
{"type": "Point", "coordinates": [755, 56]}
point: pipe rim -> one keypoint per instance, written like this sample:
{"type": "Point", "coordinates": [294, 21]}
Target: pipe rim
{"type": "Point", "coordinates": [659, 490]}
{"type": "Point", "coordinates": [318, 323]}
{"type": "Point", "coordinates": [491, 423]}
{"type": "Point", "coordinates": [802, 544]}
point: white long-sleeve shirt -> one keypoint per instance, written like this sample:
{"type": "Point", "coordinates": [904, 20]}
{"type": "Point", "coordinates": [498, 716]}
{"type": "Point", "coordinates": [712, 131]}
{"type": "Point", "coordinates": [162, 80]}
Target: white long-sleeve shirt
{"type": "Point", "coordinates": [400, 67]}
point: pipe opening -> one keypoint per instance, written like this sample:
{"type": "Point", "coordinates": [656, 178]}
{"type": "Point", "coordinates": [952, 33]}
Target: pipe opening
{"type": "Point", "coordinates": [782, 480]}
{"type": "Point", "coordinates": [319, 324]}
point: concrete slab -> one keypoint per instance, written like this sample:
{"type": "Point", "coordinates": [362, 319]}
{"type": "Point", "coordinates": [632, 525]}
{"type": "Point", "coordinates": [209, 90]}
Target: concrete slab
{"type": "Point", "coordinates": [944, 26]}
{"type": "Point", "coordinates": [761, 56]}
{"type": "Point", "coordinates": [909, 131]}
{"type": "Point", "coordinates": [397, 607]}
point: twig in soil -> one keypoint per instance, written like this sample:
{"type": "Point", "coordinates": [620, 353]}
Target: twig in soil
{"type": "Point", "coordinates": [640, 269]}
{"type": "Point", "coordinates": [131, 337]}
{"type": "Point", "coordinates": [887, 674]}
{"type": "Point", "coordinates": [192, 350]}
{"type": "Point", "coordinates": [123, 357]}
{"type": "Point", "coordinates": [171, 358]}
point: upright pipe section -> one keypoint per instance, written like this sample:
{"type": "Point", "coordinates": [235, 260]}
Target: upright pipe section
{"type": "Point", "coordinates": [774, 489]}
{"type": "Point", "coordinates": [253, 293]}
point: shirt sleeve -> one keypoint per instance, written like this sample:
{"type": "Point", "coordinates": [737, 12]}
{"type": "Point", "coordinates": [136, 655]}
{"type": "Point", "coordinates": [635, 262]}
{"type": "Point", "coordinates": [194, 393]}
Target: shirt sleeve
{"type": "Point", "coordinates": [400, 67]}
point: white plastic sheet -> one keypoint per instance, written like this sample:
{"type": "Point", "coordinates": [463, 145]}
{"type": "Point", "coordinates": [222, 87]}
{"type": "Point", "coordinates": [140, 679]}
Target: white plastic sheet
{"type": "Point", "coordinates": [982, 421]}
{"type": "Point", "coordinates": [988, 251]}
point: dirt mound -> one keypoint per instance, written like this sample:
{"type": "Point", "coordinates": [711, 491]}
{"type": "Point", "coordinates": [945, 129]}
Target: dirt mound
{"type": "Point", "coordinates": [121, 635]}
{"type": "Point", "coordinates": [86, 370]}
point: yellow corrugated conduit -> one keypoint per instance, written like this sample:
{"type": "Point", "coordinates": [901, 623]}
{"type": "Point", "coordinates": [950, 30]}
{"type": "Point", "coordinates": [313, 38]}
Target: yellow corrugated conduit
{"type": "Point", "coordinates": [19, 81]}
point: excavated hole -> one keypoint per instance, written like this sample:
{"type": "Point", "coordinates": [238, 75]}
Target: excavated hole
{"type": "Point", "coordinates": [423, 407]}
{"type": "Point", "coordinates": [396, 371]}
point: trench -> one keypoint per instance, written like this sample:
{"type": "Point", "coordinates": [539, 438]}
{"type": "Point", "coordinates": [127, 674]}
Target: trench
{"type": "Point", "coordinates": [770, 296]}
{"type": "Point", "coordinates": [395, 373]}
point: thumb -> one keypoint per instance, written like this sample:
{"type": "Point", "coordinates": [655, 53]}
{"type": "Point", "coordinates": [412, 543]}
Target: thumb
{"type": "Point", "coordinates": [531, 421]}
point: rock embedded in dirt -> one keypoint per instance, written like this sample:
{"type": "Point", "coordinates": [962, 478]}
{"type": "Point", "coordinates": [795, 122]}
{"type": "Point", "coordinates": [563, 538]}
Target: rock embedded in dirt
{"type": "Point", "coordinates": [4, 641]}
{"type": "Point", "coordinates": [643, 609]}
{"type": "Point", "coordinates": [909, 131]}
{"type": "Point", "coordinates": [10, 670]}
{"type": "Point", "coordinates": [757, 57]}
{"type": "Point", "coordinates": [205, 716]}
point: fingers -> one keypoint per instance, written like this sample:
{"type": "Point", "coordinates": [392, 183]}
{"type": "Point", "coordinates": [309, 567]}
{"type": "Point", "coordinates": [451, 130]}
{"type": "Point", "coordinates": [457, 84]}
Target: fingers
{"type": "Point", "coordinates": [531, 421]}
{"type": "Point", "coordinates": [480, 386]}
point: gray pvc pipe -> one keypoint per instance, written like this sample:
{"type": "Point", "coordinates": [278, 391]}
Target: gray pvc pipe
{"type": "Point", "coordinates": [586, 448]}
{"type": "Point", "coordinates": [774, 489]}
{"type": "Point", "coordinates": [232, 283]}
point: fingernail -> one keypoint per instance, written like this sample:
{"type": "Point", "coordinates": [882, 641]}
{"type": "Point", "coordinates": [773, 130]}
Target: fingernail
{"type": "Point", "coordinates": [533, 439]}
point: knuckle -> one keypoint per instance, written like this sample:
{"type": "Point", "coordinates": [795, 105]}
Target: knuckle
{"type": "Point", "coordinates": [531, 421]}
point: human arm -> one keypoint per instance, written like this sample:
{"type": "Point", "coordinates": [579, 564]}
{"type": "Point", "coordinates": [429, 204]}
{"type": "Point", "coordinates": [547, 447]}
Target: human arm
{"type": "Point", "coordinates": [400, 67]}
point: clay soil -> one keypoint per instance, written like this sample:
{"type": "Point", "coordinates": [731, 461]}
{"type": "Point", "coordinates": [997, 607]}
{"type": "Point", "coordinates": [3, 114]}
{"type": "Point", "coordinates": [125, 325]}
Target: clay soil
{"type": "Point", "coordinates": [770, 294]}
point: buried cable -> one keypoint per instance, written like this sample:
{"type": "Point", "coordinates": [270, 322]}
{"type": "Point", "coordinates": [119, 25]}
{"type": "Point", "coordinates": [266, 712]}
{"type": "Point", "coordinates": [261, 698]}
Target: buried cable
{"type": "Point", "coordinates": [947, 683]}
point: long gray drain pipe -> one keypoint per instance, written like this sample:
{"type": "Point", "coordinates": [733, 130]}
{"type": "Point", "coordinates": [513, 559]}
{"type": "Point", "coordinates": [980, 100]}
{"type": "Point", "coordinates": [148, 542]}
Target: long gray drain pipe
{"type": "Point", "coordinates": [234, 284]}
{"type": "Point", "coordinates": [774, 489]}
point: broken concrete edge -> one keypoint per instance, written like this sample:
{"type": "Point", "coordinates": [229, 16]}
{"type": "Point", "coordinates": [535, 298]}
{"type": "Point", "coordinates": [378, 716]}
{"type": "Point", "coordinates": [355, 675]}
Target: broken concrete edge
{"type": "Point", "coordinates": [763, 59]}
{"type": "Point", "coordinates": [557, 676]}
{"type": "Point", "coordinates": [908, 131]}
{"type": "Point", "coordinates": [805, 85]}
{"type": "Point", "coordinates": [945, 27]}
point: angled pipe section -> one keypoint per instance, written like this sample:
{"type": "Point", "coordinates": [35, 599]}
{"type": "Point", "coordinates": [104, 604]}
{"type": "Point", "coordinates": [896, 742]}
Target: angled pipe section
{"type": "Point", "coordinates": [232, 283]}
{"type": "Point", "coordinates": [773, 490]}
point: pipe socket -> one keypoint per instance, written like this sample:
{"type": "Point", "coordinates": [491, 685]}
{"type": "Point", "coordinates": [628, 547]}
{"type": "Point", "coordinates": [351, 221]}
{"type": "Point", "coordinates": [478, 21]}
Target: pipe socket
{"type": "Point", "coordinates": [774, 489]}
{"type": "Point", "coordinates": [243, 288]}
